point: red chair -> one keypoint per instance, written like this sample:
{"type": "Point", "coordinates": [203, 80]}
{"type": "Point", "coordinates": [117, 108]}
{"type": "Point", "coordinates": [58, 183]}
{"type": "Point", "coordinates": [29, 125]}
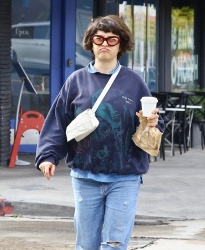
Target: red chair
{"type": "Point", "coordinates": [28, 120]}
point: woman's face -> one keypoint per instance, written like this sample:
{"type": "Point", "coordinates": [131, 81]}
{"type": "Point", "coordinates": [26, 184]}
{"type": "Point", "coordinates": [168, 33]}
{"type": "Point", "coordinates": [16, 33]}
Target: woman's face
{"type": "Point", "coordinates": [105, 52]}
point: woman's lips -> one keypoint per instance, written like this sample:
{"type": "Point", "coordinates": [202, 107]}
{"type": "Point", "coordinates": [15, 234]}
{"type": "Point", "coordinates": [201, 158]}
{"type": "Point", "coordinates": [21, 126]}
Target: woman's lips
{"type": "Point", "coordinates": [104, 49]}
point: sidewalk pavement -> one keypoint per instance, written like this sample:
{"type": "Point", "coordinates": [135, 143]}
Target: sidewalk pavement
{"type": "Point", "coordinates": [170, 208]}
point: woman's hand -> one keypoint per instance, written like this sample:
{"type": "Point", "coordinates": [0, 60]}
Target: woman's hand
{"type": "Point", "coordinates": [47, 168]}
{"type": "Point", "coordinates": [152, 120]}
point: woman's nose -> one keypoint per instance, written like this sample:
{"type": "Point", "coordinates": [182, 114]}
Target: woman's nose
{"type": "Point", "coordinates": [105, 43]}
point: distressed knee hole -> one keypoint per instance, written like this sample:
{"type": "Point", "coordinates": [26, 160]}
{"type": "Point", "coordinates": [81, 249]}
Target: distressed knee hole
{"type": "Point", "coordinates": [114, 244]}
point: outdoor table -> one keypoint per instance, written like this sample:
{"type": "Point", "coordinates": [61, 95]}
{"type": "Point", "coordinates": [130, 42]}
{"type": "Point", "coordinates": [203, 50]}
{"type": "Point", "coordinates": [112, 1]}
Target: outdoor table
{"type": "Point", "coordinates": [172, 122]}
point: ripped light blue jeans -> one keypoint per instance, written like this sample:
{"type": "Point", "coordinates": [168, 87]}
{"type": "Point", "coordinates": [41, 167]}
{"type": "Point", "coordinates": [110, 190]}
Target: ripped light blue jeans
{"type": "Point", "coordinates": [104, 213]}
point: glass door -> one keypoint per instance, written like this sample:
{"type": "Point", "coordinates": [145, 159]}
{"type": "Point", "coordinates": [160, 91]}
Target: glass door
{"type": "Point", "coordinates": [140, 16]}
{"type": "Point", "coordinates": [30, 54]}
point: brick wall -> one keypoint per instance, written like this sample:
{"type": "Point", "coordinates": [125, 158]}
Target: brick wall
{"type": "Point", "coordinates": [5, 80]}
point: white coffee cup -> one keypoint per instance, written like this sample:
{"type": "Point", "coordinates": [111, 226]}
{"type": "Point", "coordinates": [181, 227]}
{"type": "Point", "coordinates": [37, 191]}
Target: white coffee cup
{"type": "Point", "coordinates": [149, 103]}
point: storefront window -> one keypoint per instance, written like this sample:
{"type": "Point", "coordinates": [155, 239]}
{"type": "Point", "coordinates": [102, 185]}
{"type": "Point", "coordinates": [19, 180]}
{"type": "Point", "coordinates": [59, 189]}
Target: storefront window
{"type": "Point", "coordinates": [31, 48]}
{"type": "Point", "coordinates": [84, 13]}
{"type": "Point", "coordinates": [141, 19]}
{"type": "Point", "coordinates": [184, 61]}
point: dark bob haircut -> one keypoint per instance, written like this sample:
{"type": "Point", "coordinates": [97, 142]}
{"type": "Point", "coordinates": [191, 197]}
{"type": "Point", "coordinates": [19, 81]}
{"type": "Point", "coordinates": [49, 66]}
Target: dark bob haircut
{"type": "Point", "coordinates": [111, 23]}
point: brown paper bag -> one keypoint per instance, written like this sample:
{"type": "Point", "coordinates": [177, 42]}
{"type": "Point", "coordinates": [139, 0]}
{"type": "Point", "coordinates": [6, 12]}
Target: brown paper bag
{"type": "Point", "coordinates": [147, 138]}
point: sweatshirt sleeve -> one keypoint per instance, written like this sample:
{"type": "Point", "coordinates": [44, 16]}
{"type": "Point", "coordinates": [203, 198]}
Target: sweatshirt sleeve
{"type": "Point", "coordinates": [52, 145]}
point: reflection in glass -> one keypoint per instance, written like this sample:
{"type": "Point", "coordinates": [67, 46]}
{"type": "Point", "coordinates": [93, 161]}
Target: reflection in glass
{"type": "Point", "coordinates": [141, 20]}
{"type": "Point", "coordinates": [184, 62]}
{"type": "Point", "coordinates": [84, 13]}
{"type": "Point", "coordinates": [31, 48]}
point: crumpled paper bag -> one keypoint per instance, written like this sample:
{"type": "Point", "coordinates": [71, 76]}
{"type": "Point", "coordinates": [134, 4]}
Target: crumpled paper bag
{"type": "Point", "coordinates": [147, 138]}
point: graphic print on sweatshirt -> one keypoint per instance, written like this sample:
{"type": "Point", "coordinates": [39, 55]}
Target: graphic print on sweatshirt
{"type": "Point", "coordinates": [109, 145]}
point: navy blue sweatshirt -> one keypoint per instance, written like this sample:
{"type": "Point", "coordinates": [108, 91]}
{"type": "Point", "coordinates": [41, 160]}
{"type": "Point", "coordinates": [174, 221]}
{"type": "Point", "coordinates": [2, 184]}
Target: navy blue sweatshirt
{"type": "Point", "coordinates": [109, 149]}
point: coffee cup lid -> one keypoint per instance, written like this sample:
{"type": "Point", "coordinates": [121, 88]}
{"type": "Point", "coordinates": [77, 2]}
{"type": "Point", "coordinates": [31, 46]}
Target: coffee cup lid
{"type": "Point", "coordinates": [149, 99]}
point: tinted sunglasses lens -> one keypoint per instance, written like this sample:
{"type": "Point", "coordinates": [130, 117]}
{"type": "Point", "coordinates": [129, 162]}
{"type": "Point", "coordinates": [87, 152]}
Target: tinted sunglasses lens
{"type": "Point", "coordinates": [97, 40]}
{"type": "Point", "coordinates": [113, 41]}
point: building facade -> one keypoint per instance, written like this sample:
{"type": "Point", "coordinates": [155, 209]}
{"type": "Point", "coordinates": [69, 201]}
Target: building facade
{"type": "Point", "coordinates": [45, 37]}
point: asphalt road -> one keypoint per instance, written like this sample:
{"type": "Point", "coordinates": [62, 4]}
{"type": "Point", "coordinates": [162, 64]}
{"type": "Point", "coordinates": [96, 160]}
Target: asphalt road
{"type": "Point", "coordinates": [56, 233]}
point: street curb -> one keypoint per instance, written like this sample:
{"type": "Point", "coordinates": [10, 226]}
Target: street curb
{"type": "Point", "coordinates": [40, 209]}
{"type": "Point", "coordinates": [59, 211]}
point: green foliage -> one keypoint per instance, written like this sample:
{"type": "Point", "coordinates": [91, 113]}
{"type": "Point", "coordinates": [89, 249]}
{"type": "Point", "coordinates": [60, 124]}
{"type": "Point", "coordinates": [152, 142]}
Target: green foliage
{"type": "Point", "coordinates": [198, 99]}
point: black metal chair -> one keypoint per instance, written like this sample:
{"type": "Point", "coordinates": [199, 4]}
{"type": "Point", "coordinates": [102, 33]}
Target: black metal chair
{"type": "Point", "coordinates": [176, 120]}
